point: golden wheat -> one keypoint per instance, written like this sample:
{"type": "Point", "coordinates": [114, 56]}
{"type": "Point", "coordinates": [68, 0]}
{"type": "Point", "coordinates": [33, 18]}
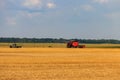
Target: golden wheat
{"type": "Point", "coordinates": [59, 64]}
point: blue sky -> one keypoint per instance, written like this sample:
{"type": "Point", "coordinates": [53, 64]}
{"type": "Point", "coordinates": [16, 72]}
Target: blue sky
{"type": "Point", "coordinates": [88, 19]}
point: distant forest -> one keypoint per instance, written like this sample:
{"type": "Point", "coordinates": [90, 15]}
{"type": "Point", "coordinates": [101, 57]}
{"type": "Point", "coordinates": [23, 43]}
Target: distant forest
{"type": "Point", "coordinates": [60, 40]}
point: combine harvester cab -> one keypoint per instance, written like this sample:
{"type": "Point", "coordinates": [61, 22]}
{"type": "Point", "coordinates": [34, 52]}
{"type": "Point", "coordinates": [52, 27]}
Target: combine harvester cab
{"type": "Point", "coordinates": [74, 44]}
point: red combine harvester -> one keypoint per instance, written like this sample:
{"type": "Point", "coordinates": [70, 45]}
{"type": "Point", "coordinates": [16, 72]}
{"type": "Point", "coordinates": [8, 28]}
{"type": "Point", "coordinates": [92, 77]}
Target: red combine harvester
{"type": "Point", "coordinates": [74, 44]}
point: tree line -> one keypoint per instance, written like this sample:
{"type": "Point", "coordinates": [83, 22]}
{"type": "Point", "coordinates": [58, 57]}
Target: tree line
{"type": "Point", "coordinates": [60, 40]}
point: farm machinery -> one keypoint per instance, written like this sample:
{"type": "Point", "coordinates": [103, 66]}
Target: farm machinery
{"type": "Point", "coordinates": [15, 46]}
{"type": "Point", "coordinates": [74, 44]}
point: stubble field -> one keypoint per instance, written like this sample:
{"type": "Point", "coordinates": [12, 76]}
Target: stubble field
{"type": "Point", "coordinates": [59, 64]}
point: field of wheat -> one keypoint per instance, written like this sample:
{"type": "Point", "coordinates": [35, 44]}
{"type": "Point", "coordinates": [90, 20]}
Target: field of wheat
{"type": "Point", "coordinates": [59, 64]}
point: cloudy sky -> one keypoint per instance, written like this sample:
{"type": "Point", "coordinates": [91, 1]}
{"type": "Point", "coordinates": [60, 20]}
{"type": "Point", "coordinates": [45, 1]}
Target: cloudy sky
{"type": "Point", "coordinates": [89, 19]}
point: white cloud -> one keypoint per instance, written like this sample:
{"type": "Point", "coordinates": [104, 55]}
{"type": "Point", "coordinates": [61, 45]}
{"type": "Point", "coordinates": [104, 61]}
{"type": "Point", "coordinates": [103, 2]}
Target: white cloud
{"type": "Point", "coordinates": [114, 1]}
{"type": "Point", "coordinates": [29, 15]}
{"type": "Point", "coordinates": [2, 4]}
{"type": "Point", "coordinates": [11, 21]}
{"type": "Point", "coordinates": [114, 15]}
{"type": "Point", "coordinates": [101, 1]}
{"type": "Point", "coordinates": [32, 3]}
{"type": "Point", "coordinates": [87, 7]}
{"type": "Point", "coordinates": [50, 5]}
{"type": "Point", "coordinates": [38, 4]}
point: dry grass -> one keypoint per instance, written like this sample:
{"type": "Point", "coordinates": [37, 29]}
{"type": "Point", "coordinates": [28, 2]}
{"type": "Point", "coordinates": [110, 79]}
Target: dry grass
{"type": "Point", "coordinates": [59, 64]}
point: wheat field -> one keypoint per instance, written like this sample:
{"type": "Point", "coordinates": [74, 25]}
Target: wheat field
{"type": "Point", "coordinates": [59, 64]}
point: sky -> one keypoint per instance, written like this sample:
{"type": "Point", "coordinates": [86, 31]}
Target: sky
{"type": "Point", "coordinates": [82, 19]}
